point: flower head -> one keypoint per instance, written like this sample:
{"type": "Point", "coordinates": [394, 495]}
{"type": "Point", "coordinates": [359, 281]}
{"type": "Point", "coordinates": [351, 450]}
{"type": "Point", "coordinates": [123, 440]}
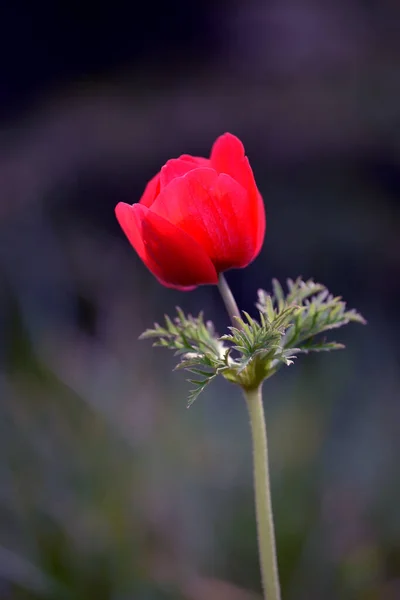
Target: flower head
{"type": "Point", "coordinates": [197, 217]}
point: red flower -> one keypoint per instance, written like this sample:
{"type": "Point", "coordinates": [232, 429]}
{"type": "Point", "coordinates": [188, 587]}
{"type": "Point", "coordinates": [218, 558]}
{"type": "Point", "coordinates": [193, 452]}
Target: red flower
{"type": "Point", "coordinates": [197, 217]}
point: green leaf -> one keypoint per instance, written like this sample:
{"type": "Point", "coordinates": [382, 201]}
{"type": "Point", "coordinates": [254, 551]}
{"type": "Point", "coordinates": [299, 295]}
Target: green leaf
{"type": "Point", "coordinates": [195, 342]}
{"type": "Point", "coordinates": [315, 310]}
{"type": "Point", "coordinates": [278, 294]}
{"type": "Point", "coordinates": [254, 349]}
{"type": "Point", "coordinates": [322, 346]}
{"type": "Point", "coordinates": [199, 388]}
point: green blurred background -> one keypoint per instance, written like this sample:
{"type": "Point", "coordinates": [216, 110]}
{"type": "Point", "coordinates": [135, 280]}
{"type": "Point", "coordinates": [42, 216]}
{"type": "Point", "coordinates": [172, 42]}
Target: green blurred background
{"type": "Point", "coordinates": [109, 487]}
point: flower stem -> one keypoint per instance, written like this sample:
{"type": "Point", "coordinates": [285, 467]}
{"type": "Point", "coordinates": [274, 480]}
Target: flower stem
{"type": "Point", "coordinates": [265, 524]}
{"type": "Point", "coordinates": [229, 300]}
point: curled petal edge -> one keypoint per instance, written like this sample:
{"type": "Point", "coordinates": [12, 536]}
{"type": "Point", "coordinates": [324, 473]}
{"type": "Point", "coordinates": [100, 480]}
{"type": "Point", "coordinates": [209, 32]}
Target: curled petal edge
{"type": "Point", "coordinates": [171, 255]}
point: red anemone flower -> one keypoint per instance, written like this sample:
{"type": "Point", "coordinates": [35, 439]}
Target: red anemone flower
{"type": "Point", "coordinates": [197, 217]}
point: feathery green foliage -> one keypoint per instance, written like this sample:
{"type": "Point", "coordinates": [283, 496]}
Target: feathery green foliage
{"type": "Point", "coordinates": [195, 341]}
{"type": "Point", "coordinates": [315, 311]}
{"type": "Point", "coordinates": [253, 350]}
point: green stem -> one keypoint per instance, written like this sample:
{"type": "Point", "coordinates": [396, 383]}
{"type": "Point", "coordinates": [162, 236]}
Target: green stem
{"type": "Point", "coordinates": [265, 524]}
{"type": "Point", "coordinates": [229, 300]}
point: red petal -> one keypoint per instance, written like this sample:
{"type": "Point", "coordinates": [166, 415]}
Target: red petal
{"type": "Point", "coordinates": [228, 156]}
{"type": "Point", "coordinates": [261, 223]}
{"type": "Point", "coordinates": [175, 168]}
{"type": "Point", "coordinates": [151, 191]}
{"type": "Point", "coordinates": [171, 170]}
{"type": "Point", "coordinates": [175, 258]}
{"type": "Point", "coordinates": [216, 211]}
{"type": "Point", "coordinates": [198, 160]}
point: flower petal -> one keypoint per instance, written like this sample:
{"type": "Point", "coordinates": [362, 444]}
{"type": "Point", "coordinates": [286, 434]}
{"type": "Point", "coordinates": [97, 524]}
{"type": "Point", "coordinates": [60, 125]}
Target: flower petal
{"type": "Point", "coordinates": [216, 211]}
{"type": "Point", "coordinates": [198, 160]}
{"type": "Point", "coordinates": [175, 258]}
{"type": "Point", "coordinates": [173, 168]}
{"type": "Point", "coordinates": [228, 156]}
{"type": "Point", "coordinates": [177, 167]}
{"type": "Point", "coordinates": [151, 191]}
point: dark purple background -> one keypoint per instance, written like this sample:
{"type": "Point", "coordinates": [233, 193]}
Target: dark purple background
{"type": "Point", "coordinates": [109, 487]}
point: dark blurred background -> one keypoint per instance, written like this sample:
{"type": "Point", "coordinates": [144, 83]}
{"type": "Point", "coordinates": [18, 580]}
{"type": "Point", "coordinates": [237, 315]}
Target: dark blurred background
{"type": "Point", "coordinates": [109, 487]}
